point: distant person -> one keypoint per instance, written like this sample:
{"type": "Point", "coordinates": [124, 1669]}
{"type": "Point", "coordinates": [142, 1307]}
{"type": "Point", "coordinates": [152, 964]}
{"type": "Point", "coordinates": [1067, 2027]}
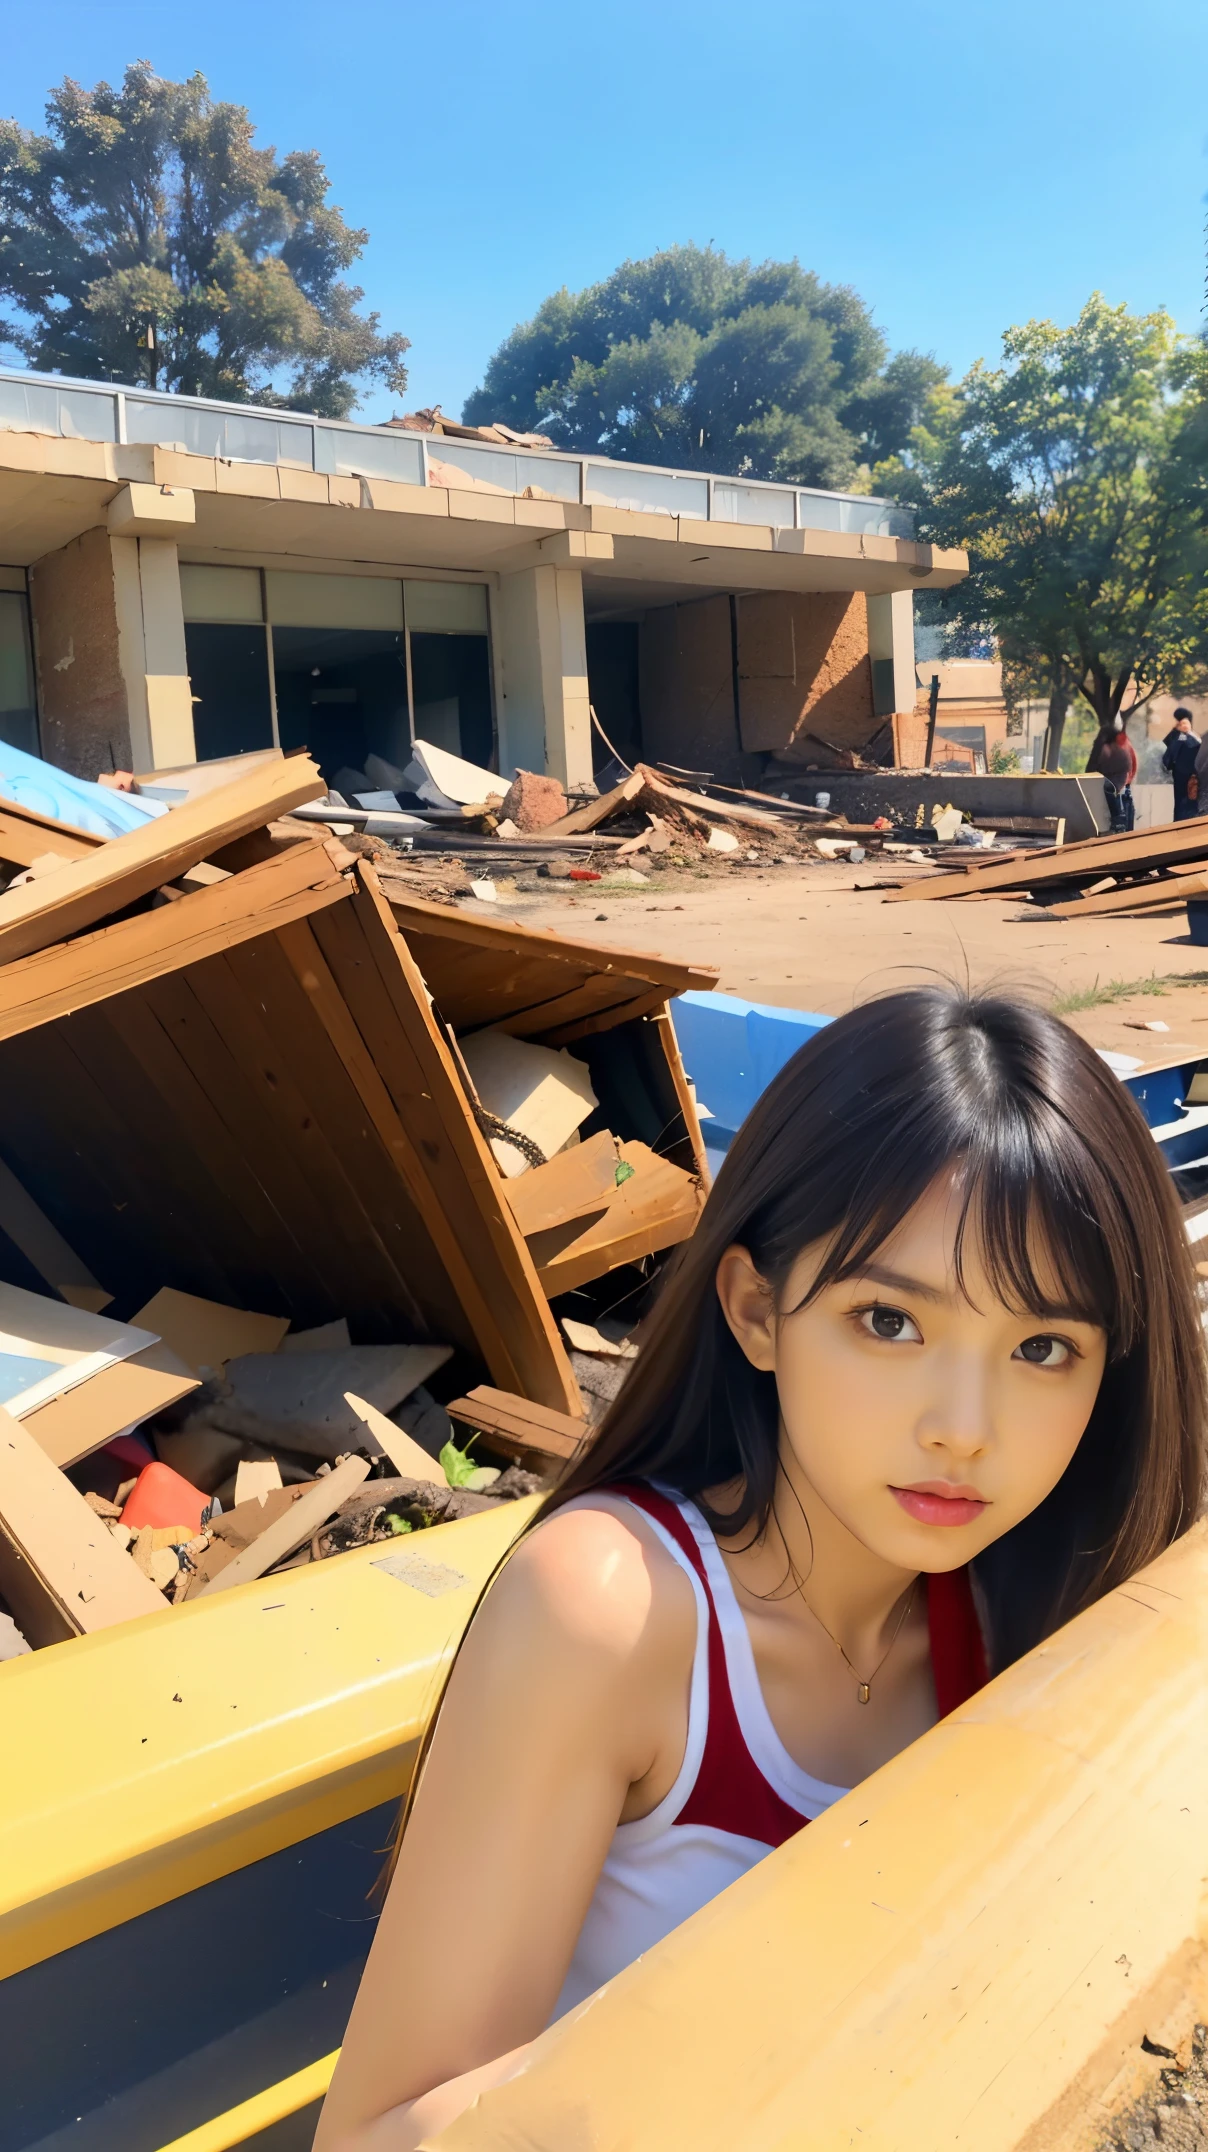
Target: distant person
{"type": "Point", "coordinates": [1200, 777]}
{"type": "Point", "coordinates": [1114, 758]}
{"type": "Point", "coordinates": [1182, 747]}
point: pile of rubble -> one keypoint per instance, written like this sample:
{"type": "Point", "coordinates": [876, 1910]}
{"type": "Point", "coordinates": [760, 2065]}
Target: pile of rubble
{"type": "Point", "coordinates": [314, 1193]}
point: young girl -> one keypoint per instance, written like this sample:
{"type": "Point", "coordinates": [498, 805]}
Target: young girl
{"type": "Point", "coordinates": [928, 1379]}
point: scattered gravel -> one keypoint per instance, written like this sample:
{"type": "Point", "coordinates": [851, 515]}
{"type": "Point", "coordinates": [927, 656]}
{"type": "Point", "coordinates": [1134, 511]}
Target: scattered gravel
{"type": "Point", "coordinates": [1174, 2113]}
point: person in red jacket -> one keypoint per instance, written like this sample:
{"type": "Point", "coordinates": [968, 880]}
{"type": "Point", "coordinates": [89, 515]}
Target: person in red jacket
{"type": "Point", "coordinates": [1114, 758]}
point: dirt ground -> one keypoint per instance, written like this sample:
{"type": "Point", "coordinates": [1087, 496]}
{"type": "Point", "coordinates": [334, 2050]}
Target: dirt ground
{"type": "Point", "coordinates": [806, 937]}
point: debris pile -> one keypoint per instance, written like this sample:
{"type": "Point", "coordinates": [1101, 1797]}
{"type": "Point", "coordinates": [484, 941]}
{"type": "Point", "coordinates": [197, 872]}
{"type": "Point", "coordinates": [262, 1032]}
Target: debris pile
{"type": "Point", "coordinates": [1149, 870]}
{"type": "Point", "coordinates": [309, 1189]}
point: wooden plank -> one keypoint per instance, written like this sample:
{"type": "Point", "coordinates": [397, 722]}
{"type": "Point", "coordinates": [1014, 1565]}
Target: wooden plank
{"type": "Point", "coordinates": [377, 1211]}
{"type": "Point", "coordinates": [456, 1183]}
{"type": "Point", "coordinates": [289, 1075]}
{"type": "Point", "coordinates": [36, 989]}
{"type": "Point", "coordinates": [120, 871]}
{"type": "Point", "coordinates": [604, 999]}
{"type": "Point", "coordinates": [1134, 897]}
{"type": "Point", "coordinates": [1087, 856]}
{"type": "Point", "coordinates": [579, 1180]}
{"type": "Point", "coordinates": [300, 1522]}
{"type": "Point", "coordinates": [420, 915]}
{"type": "Point", "coordinates": [259, 1247]}
{"type": "Point", "coordinates": [656, 1209]}
{"type": "Point", "coordinates": [24, 838]}
{"type": "Point", "coordinates": [263, 1163]}
{"type": "Point", "coordinates": [533, 1434]}
{"type": "Point", "coordinates": [587, 1027]}
{"type": "Point", "coordinates": [687, 1102]}
{"type": "Point", "coordinates": [41, 1243]}
{"type": "Point", "coordinates": [597, 810]}
{"type": "Point", "coordinates": [61, 1568]}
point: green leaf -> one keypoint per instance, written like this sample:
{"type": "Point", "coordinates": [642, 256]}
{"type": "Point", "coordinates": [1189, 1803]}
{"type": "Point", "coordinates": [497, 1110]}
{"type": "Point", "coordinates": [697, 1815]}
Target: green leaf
{"type": "Point", "coordinates": [458, 1465]}
{"type": "Point", "coordinates": [398, 1524]}
{"type": "Point", "coordinates": [625, 1172]}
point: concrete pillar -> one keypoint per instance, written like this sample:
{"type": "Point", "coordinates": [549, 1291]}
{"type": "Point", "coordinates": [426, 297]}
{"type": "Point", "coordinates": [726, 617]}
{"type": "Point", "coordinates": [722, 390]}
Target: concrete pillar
{"type": "Point", "coordinates": [113, 684]}
{"type": "Point", "coordinates": [891, 649]}
{"type": "Point", "coordinates": [545, 720]}
{"type": "Point", "coordinates": [151, 645]}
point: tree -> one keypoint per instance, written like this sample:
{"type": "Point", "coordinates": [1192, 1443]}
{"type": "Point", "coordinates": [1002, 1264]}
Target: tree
{"type": "Point", "coordinates": [144, 237]}
{"type": "Point", "coordinates": [693, 359]}
{"type": "Point", "coordinates": [1074, 475]}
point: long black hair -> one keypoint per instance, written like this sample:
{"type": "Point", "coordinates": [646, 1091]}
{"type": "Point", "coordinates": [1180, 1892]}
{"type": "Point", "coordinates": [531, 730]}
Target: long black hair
{"type": "Point", "coordinates": [1056, 1163]}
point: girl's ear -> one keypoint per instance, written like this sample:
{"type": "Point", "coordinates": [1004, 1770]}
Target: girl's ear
{"type": "Point", "coordinates": [749, 1306]}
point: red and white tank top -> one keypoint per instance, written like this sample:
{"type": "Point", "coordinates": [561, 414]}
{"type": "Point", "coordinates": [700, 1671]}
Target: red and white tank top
{"type": "Point", "coordinates": [738, 1792]}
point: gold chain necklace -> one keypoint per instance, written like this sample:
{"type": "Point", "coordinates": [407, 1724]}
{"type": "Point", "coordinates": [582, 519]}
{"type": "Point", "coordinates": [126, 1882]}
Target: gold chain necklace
{"type": "Point", "coordinates": [863, 1688]}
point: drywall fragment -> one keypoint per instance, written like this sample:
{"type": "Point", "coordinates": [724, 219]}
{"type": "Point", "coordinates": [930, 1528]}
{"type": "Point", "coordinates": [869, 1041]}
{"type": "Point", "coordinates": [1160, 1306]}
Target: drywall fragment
{"type": "Point", "coordinates": [256, 1479]}
{"type": "Point", "coordinates": [586, 1338]}
{"type": "Point", "coordinates": [327, 1337]}
{"type": "Point", "coordinates": [545, 1094]}
{"type": "Point", "coordinates": [485, 891]}
{"type": "Point", "coordinates": [721, 840]}
{"type": "Point", "coordinates": [299, 1399]}
{"type": "Point", "coordinates": [445, 780]}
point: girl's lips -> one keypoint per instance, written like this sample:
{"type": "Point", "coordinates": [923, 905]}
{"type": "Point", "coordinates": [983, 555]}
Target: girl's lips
{"type": "Point", "coordinates": [928, 1505]}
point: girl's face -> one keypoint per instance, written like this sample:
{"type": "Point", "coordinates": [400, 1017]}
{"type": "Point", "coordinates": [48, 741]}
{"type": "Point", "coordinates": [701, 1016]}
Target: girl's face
{"type": "Point", "coordinates": [928, 1419]}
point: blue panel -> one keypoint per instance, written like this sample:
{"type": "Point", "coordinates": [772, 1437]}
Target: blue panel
{"type": "Point", "coordinates": [138, 2035]}
{"type": "Point", "coordinates": [732, 1049]}
{"type": "Point", "coordinates": [1160, 1092]}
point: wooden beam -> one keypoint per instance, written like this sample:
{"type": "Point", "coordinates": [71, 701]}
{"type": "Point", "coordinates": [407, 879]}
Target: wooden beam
{"type": "Point", "coordinates": [531, 1434]}
{"type": "Point", "coordinates": [1134, 897]}
{"type": "Point", "coordinates": [293, 883]}
{"type": "Point", "coordinates": [576, 1181]}
{"type": "Point", "coordinates": [597, 810]}
{"type": "Point", "coordinates": [424, 917]}
{"type": "Point", "coordinates": [301, 1521]}
{"type": "Point", "coordinates": [24, 838]}
{"type": "Point", "coordinates": [655, 1209]}
{"type": "Point", "coordinates": [125, 868]}
{"type": "Point", "coordinates": [1088, 857]}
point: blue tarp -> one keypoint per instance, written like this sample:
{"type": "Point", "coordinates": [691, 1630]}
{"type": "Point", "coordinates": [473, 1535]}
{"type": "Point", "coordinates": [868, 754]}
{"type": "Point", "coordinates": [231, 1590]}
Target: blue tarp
{"type": "Point", "coordinates": [732, 1049]}
{"type": "Point", "coordinates": [37, 785]}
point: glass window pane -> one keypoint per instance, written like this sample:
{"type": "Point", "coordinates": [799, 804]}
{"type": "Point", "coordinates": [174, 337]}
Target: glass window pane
{"type": "Point", "coordinates": [342, 693]}
{"type": "Point", "coordinates": [297, 600]}
{"type": "Point", "coordinates": [451, 676]}
{"type": "Point", "coordinates": [446, 608]}
{"type": "Point", "coordinates": [228, 671]}
{"type": "Point", "coordinates": [18, 712]}
{"type": "Point", "coordinates": [660, 493]}
{"type": "Point", "coordinates": [733, 503]}
{"type": "Point", "coordinates": [220, 593]}
{"type": "Point", "coordinates": [369, 455]}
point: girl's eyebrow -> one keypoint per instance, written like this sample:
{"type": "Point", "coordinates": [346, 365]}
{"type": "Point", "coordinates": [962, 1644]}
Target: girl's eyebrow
{"type": "Point", "coordinates": [879, 1274]}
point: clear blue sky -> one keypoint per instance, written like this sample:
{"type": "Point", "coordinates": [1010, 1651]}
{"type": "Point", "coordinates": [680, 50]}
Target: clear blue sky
{"type": "Point", "coordinates": [964, 164]}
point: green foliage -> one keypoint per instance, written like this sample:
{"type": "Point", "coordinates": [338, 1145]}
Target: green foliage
{"type": "Point", "coordinates": [693, 359]}
{"type": "Point", "coordinates": [1074, 474]}
{"type": "Point", "coordinates": [144, 238]}
{"type": "Point", "coordinates": [398, 1525]}
{"type": "Point", "coordinates": [457, 1465]}
{"type": "Point", "coordinates": [1003, 761]}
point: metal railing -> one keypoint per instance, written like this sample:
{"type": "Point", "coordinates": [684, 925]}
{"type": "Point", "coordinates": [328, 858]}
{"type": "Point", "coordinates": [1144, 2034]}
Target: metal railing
{"type": "Point", "coordinates": [243, 433]}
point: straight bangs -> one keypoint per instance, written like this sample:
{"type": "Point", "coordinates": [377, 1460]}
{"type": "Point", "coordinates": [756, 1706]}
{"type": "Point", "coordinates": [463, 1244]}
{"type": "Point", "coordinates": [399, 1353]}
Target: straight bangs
{"type": "Point", "coordinates": [1050, 1226]}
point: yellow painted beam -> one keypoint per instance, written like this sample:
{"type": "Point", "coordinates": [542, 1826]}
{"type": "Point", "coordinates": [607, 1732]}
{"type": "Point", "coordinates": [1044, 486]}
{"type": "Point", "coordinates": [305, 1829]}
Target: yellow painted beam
{"type": "Point", "coordinates": [155, 1756]}
{"type": "Point", "coordinates": [239, 2124]}
{"type": "Point", "coordinates": [992, 1919]}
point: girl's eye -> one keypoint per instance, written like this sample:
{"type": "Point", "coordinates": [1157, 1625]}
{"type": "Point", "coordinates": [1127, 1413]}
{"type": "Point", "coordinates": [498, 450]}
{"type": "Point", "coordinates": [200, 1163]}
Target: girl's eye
{"type": "Point", "coordinates": [891, 1323]}
{"type": "Point", "coordinates": [1042, 1352]}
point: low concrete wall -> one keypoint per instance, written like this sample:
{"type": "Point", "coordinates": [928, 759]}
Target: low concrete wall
{"type": "Point", "coordinates": [862, 795]}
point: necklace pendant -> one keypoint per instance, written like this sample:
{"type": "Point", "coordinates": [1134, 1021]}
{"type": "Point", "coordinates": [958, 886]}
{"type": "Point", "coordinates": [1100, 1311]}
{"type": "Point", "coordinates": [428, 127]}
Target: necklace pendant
{"type": "Point", "coordinates": [863, 1691]}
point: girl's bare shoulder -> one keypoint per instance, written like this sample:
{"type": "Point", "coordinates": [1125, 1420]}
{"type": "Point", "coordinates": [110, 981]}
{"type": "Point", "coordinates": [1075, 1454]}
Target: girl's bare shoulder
{"type": "Point", "coordinates": [598, 1572]}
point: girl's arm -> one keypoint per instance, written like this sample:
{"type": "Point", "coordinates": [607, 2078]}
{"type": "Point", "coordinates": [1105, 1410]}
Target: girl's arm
{"type": "Point", "coordinates": [560, 1702]}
